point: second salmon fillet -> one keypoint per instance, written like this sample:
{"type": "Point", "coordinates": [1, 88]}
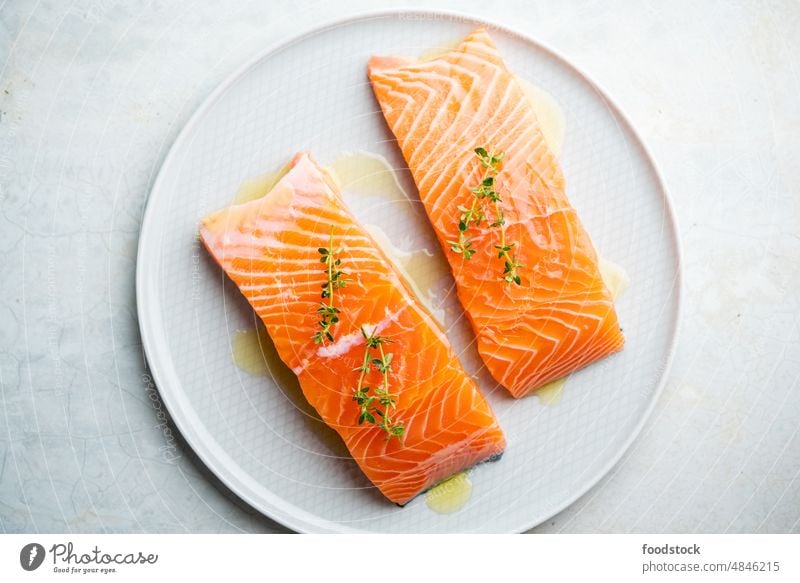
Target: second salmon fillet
{"type": "Point", "coordinates": [526, 271]}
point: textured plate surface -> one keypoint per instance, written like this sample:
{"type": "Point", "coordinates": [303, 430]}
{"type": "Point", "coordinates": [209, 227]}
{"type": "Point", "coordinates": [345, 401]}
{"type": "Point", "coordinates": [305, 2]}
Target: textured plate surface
{"type": "Point", "coordinates": [255, 432]}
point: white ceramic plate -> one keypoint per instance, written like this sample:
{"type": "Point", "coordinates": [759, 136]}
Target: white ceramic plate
{"type": "Point", "coordinates": [256, 433]}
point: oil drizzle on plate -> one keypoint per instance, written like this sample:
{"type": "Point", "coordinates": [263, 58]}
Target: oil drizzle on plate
{"type": "Point", "coordinates": [451, 495]}
{"type": "Point", "coordinates": [438, 51]}
{"type": "Point", "coordinates": [254, 188]}
{"type": "Point", "coordinates": [249, 352]}
{"type": "Point", "coordinates": [615, 277]}
{"type": "Point", "coordinates": [365, 173]}
{"type": "Point", "coordinates": [255, 353]}
{"type": "Point", "coordinates": [550, 394]}
{"type": "Point", "coordinates": [549, 113]}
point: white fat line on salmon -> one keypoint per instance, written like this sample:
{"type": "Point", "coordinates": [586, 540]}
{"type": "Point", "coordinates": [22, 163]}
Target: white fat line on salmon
{"type": "Point", "coordinates": [298, 369]}
{"type": "Point", "coordinates": [288, 294]}
{"type": "Point", "coordinates": [344, 344]}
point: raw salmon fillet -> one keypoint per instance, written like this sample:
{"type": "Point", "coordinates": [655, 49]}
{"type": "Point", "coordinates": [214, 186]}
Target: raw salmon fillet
{"type": "Point", "coordinates": [270, 248]}
{"type": "Point", "coordinates": [561, 317]}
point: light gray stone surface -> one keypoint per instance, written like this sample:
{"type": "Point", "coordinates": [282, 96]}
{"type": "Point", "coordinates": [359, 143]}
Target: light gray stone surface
{"type": "Point", "coordinates": [92, 94]}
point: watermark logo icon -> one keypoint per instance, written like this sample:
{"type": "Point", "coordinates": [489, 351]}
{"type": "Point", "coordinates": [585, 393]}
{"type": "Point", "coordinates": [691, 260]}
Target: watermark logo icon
{"type": "Point", "coordinates": [31, 556]}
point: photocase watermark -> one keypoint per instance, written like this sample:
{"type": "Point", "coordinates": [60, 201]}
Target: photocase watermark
{"type": "Point", "coordinates": [169, 450]}
{"type": "Point", "coordinates": [196, 275]}
{"type": "Point", "coordinates": [65, 559]}
{"type": "Point", "coordinates": [13, 99]}
{"type": "Point", "coordinates": [31, 556]}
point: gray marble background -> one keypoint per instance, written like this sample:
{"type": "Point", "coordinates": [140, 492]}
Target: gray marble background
{"type": "Point", "coordinates": [92, 94]}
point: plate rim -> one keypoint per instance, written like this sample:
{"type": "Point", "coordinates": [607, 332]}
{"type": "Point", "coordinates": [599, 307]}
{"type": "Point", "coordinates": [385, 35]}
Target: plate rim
{"type": "Point", "coordinates": [145, 272]}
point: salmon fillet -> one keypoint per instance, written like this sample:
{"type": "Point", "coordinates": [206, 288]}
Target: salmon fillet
{"type": "Point", "coordinates": [271, 248]}
{"type": "Point", "coordinates": [561, 316]}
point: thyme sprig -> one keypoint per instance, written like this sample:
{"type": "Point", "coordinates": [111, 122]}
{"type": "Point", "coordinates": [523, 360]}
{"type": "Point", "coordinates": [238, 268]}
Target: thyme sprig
{"type": "Point", "coordinates": [370, 404]}
{"type": "Point", "coordinates": [485, 191]}
{"type": "Point", "coordinates": [337, 279]}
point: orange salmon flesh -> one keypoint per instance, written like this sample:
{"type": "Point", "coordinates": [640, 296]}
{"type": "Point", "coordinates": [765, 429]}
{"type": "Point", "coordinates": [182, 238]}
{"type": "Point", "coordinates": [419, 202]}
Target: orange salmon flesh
{"type": "Point", "coordinates": [561, 317]}
{"type": "Point", "coordinates": [270, 248]}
